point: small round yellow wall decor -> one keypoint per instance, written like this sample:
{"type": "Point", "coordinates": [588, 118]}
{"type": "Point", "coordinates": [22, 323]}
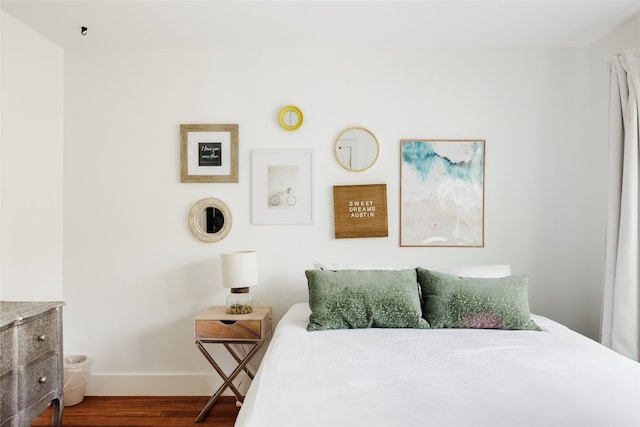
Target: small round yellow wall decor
{"type": "Point", "coordinates": [290, 117]}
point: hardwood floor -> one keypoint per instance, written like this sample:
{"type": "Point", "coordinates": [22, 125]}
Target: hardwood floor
{"type": "Point", "coordinates": [136, 411]}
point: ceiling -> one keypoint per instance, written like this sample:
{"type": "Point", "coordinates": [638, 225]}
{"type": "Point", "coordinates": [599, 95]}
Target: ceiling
{"type": "Point", "coordinates": [203, 24]}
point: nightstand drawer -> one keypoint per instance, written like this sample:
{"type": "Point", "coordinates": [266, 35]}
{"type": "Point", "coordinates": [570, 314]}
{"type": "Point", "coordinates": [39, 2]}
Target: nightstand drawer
{"type": "Point", "coordinates": [216, 324]}
{"type": "Point", "coordinates": [228, 329]}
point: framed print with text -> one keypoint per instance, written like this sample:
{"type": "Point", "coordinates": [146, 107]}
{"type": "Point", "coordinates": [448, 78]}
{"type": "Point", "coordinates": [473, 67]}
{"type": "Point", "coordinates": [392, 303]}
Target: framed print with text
{"type": "Point", "coordinates": [360, 211]}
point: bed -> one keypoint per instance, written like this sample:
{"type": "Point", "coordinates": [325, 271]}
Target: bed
{"type": "Point", "coordinates": [443, 377]}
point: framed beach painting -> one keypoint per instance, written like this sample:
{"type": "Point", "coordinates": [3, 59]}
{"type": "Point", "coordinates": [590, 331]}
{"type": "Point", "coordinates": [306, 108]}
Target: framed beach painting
{"type": "Point", "coordinates": [442, 193]}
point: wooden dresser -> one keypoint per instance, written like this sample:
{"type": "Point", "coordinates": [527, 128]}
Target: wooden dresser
{"type": "Point", "coordinates": [31, 362]}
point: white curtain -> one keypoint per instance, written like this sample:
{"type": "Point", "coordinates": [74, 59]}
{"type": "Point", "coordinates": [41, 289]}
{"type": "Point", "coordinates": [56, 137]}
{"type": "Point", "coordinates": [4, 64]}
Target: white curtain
{"type": "Point", "coordinates": [620, 315]}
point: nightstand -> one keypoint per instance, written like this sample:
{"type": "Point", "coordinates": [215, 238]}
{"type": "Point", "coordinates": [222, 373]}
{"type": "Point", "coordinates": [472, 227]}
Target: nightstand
{"type": "Point", "coordinates": [216, 326]}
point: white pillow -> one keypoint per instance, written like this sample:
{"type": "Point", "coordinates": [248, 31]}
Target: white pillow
{"type": "Point", "coordinates": [495, 271]}
{"type": "Point", "coordinates": [333, 266]}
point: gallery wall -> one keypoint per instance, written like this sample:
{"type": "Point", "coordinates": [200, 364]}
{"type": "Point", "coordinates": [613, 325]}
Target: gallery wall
{"type": "Point", "coordinates": [134, 276]}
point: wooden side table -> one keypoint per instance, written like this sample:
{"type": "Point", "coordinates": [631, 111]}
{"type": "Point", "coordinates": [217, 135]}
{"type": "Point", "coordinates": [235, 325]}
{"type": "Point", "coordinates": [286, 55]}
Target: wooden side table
{"type": "Point", "coordinates": [216, 326]}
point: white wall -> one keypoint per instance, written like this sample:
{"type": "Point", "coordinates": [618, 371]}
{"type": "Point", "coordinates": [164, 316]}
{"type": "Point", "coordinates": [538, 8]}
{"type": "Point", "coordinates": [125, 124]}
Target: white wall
{"type": "Point", "coordinates": [31, 164]}
{"type": "Point", "coordinates": [134, 276]}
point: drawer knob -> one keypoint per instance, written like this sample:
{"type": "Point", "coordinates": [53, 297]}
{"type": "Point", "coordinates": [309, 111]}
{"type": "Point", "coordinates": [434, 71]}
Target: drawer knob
{"type": "Point", "coordinates": [42, 337]}
{"type": "Point", "coordinates": [42, 380]}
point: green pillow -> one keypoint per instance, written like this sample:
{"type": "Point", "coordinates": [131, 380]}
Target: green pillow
{"type": "Point", "coordinates": [347, 299]}
{"type": "Point", "coordinates": [469, 302]}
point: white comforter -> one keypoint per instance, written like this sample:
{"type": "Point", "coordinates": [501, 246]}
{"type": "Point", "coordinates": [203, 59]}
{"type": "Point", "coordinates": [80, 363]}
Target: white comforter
{"type": "Point", "coordinates": [439, 378]}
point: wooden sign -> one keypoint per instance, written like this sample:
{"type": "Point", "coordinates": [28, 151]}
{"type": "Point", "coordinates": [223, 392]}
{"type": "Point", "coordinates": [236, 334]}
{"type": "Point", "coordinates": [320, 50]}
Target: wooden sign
{"type": "Point", "coordinates": [360, 211]}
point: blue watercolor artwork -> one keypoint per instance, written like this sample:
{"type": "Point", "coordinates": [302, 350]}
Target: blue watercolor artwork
{"type": "Point", "coordinates": [442, 193]}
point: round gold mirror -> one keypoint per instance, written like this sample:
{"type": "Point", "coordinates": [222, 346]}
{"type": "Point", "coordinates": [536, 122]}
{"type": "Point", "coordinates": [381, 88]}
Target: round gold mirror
{"type": "Point", "coordinates": [290, 117]}
{"type": "Point", "coordinates": [357, 149]}
{"type": "Point", "coordinates": [210, 220]}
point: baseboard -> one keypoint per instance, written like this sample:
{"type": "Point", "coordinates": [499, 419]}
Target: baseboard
{"type": "Point", "coordinates": [159, 385]}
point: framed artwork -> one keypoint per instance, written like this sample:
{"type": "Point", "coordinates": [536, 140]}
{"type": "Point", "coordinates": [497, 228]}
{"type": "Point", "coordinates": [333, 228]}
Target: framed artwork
{"type": "Point", "coordinates": [442, 193]}
{"type": "Point", "coordinates": [209, 153]}
{"type": "Point", "coordinates": [360, 211]}
{"type": "Point", "coordinates": [282, 190]}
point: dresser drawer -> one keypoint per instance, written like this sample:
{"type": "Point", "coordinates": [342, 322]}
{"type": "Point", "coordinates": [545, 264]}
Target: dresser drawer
{"type": "Point", "coordinates": [38, 337]}
{"type": "Point", "coordinates": [38, 379]}
{"type": "Point", "coordinates": [8, 352]}
{"type": "Point", "coordinates": [8, 397]}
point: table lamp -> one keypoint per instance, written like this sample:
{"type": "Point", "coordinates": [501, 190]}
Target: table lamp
{"type": "Point", "coordinates": [239, 272]}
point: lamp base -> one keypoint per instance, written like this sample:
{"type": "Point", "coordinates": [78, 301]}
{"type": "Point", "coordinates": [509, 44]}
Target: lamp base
{"type": "Point", "coordinates": [239, 301]}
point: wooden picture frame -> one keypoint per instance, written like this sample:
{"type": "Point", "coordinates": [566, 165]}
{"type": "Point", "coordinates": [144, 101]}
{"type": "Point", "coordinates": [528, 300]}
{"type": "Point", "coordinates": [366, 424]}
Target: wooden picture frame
{"type": "Point", "coordinates": [442, 193]}
{"type": "Point", "coordinates": [208, 153]}
{"type": "Point", "coordinates": [360, 211]}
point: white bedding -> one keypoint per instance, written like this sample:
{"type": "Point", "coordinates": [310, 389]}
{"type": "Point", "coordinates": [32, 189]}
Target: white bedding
{"type": "Point", "coordinates": [439, 378]}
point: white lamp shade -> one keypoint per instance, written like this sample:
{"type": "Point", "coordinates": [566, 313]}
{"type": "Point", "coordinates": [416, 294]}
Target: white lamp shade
{"type": "Point", "coordinates": [239, 269]}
